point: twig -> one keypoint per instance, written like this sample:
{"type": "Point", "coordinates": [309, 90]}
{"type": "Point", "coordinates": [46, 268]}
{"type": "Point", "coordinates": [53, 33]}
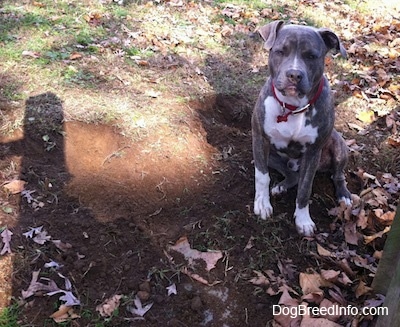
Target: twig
{"type": "Point", "coordinates": [114, 154]}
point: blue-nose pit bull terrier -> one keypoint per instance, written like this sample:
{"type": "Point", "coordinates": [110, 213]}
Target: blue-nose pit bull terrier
{"type": "Point", "coordinates": [292, 122]}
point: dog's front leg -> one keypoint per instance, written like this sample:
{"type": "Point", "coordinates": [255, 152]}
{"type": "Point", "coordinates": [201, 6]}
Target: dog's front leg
{"type": "Point", "coordinates": [262, 203]}
{"type": "Point", "coordinates": [308, 167]}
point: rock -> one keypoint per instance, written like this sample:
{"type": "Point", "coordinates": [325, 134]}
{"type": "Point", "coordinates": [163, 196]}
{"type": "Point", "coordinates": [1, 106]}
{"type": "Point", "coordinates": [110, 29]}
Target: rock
{"type": "Point", "coordinates": [145, 286]}
{"type": "Point", "coordinates": [143, 295]}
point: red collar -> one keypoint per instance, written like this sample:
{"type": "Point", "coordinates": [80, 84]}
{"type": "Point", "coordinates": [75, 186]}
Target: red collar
{"type": "Point", "coordinates": [293, 109]}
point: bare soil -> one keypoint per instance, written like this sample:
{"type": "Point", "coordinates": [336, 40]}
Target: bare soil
{"type": "Point", "coordinates": [121, 203]}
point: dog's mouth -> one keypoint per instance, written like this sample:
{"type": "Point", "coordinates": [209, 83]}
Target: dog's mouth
{"type": "Point", "coordinates": [292, 91]}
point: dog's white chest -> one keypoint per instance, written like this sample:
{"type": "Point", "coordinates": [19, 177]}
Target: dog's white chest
{"type": "Point", "coordinates": [294, 129]}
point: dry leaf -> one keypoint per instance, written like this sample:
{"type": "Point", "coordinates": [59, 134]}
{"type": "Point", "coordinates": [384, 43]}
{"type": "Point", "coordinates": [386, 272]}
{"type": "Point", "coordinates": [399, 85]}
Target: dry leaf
{"type": "Point", "coordinates": [337, 295]}
{"type": "Point", "coordinates": [323, 252]}
{"type": "Point", "coordinates": [61, 245]}
{"type": "Point", "coordinates": [320, 322]}
{"type": "Point", "coordinates": [41, 238]}
{"type": "Point", "coordinates": [311, 283]}
{"type": "Point", "coordinates": [362, 219]}
{"type": "Point", "coordinates": [315, 297]}
{"type": "Point", "coordinates": [210, 258]}
{"type": "Point", "coordinates": [75, 56]}
{"type": "Point", "coordinates": [139, 310]}
{"type": "Point", "coordinates": [32, 231]}
{"type": "Point", "coordinates": [362, 289]}
{"type": "Point", "coordinates": [350, 233]}
{"type": "Point", "coordinates": [250, 243]}
{"type": "Point", "coordinates": [36, 286]}
{"type": "Point", "coordinates": [64, 313]}
{"type": "Point", "coordinates": [6, 238]}
{"type": "Point", "coordinates": [330, 308]}
{"type": "Point", "coordinates": [394, 141]}
{"type": "Point", "coordinates": [385, 218]}
{"type": "Point", "coordinates": [344, 279]}
{"type": "Point", "coordinates": [378, 254]}
{"type": "Point", "coordinates": [369, 239]}
{"type": "Point", "coordinates": [261, 279]}
{"type": "Point", "coordinates": [52, 264]}
{"type": "Point", "coordinates": [366, 116]}
{"type": "Point", "coordinates": [375, 302]}
{"type": "Point", "coordinates": [198, 278]}
{"type": "Point", "coordinates": [107, 308]}
{"type": "Point", "coordinates": [330, 275]}
{"type": "Point", "coordinates": [16, 186]}
{"type": "Point", "coordinates": [287, 300]}
{"type": "Point", "coordinates": [32, 54]}
{"type": "Point", "coordinates": [171, 289]}
{"type": "Point", "coordinates": [38, 4]}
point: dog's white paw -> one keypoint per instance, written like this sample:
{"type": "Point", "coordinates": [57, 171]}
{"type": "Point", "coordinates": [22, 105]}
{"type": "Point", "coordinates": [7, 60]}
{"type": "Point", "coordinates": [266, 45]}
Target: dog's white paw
{"type": "Point", "coordinates": [304, 224]}
{"type": "Point", "coordinates": [263, 207]}
{"type": "Point", "coordinates": [278, 189]}
{"type": "Point", "coordinates": [347, 201]}
{"type": "Point", "coordinates": [262, 203]}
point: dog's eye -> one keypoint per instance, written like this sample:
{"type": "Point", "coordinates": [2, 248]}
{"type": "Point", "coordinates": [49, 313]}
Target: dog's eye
{"type": "Point", "coordinates": [311, 56]}
{"type": "Point", "coordinates": [279, 52]}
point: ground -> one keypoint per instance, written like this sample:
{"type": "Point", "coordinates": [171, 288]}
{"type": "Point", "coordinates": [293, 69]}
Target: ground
{"type": "Point", "coordinates": [121, 205]}
{"type": "Point", "coordinates": [119, 201]}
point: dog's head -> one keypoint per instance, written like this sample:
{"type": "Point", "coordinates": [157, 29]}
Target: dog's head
{"type": "Point", "coordinates": [297, 56]}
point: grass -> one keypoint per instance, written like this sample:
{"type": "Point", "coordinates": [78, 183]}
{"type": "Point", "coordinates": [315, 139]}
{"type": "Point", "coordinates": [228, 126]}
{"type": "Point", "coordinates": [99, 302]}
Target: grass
{"type": "Point", "coordinates": [9, 316]}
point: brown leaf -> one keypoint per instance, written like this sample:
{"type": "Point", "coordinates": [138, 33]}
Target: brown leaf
{"type": "Point", "coordinates": [344, 264]}
{"type": "Point", "coordinates": [33, 54]}
{"type": "Point", "coordinates": [107, 308]}
{"type": "Point", "coordinates": [394, 141]}
{"type": "Point", "coordinates": [14, 187]}
{"type": "Point", "coordinates": [385, 218]}
{"type": "Point", "coordinates": [320, 322]}
{"type": "Point", "coordinates": [75, 56]}
{"type": "Point", "coordinates": [337, 295]}
{"type": "Point", "coordinates": [362, 219]}
{"type": "Point", "coordinates": [350, 233]}
{"type": "Point", "coordinates": [61, 245]}
{"type": "Point", "coordinates": [287, 300]}
{"type": "Point", "coordinates": [311, 283]}
{"type": "Point", "coordinates": [323, 252]}
{"type": "Point", "coordinates": [210, 258]}
{"type": "Point", "coordinates": [226, 31]}
{"type": "Point", "coordinates": [370, 238]}
{"type": "Point", "coordinates": [38, 4]}
{"type": "Point", "coordinates": [330, 275]}
{"type": "Point", "coordinates": [261, 279]}
{"type": "Point", "coordinates": [362, 289]}
{"type": "Point", "coordinates": [344, 279]}
{"type": "Point", "coordinates": [64, 313]}
{"type": "Point", "coordinates": [250, 243]}
{"type": "Point", "coordinates": [315, 297]}
{"type": "Point", "coordinates": [330, 309]}
{"type": "Point", "coordinates": [198, 278]}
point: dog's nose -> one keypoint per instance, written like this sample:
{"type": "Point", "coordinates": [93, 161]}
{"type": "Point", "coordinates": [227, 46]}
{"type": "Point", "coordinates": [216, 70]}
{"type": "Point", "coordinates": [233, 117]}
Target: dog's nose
{"type": "Point", "coordinates": [294, 75]}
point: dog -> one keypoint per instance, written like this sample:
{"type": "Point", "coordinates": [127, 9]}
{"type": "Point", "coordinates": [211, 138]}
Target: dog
{"type": "Point", "coordinates": [293, 120]}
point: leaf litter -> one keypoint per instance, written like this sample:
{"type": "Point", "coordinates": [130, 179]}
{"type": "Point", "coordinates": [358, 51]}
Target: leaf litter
{"type": "Point", "coordinates": [343, 265]}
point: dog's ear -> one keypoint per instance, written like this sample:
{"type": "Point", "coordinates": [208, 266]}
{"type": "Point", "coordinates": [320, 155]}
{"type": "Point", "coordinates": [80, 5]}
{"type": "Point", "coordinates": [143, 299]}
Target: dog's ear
{"type": "Point", "coordinates": [268, 33]}
{"type": "Point", "coordinates": [332, 41]}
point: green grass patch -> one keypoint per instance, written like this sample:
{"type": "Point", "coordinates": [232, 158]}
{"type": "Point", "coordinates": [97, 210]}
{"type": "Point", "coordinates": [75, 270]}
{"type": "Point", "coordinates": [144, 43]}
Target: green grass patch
{"type": "Point", "coordinates": [9, 316]}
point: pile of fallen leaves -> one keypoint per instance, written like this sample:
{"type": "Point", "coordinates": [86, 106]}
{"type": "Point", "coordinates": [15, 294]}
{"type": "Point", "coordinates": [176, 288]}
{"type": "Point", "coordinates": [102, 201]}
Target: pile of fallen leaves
{"type": "Point", "coordinates": [344, 269]}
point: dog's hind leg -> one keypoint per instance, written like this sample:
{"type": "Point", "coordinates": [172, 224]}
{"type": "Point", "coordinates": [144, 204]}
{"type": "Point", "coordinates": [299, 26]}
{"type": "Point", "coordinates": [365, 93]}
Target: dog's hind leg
{"type": "Point", "coordinates": [288, 168]}
{"type": "Point", "coordinates": [340, 158]}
